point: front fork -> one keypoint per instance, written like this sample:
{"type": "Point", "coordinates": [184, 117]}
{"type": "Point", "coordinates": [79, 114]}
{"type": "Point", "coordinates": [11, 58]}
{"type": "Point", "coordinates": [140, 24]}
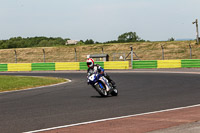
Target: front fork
{"type": "Point", "coordinates": [105, 81]}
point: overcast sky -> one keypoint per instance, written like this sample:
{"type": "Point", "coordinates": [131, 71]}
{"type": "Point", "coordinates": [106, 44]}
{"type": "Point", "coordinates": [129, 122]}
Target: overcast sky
{"type": "Point", "coordinates": [100, 20]}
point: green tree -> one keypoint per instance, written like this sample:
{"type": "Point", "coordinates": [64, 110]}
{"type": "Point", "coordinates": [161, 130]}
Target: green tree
{"type": "Point", "coordinates": [89, 41]}
{"type": "Point", "coordinates": [43, 43]}
{"type": "Point", "coordinates": [81, 42]}
{"type": "Point", "coordinates": [19, 42]}
{"type": "Point", "coordinates": [129, 37]}
{"type": "Point", "coordinates": [171, 39]}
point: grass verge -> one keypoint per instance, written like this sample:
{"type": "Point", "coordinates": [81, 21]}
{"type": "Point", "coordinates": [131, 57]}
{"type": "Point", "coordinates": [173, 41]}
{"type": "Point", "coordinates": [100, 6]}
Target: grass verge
{"type": "Point", "coordinates": [10, 83]}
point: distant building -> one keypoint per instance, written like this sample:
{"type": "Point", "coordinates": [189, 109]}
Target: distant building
{"type": "Point", "coordinates": [70, 42]}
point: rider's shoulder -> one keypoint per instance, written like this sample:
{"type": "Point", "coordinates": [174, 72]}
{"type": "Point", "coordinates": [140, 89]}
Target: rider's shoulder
{"type": "Point", "coordinates": [97, 65]}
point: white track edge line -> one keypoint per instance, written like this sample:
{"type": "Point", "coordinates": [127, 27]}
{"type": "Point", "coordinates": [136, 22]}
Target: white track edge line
{"type": "Point", "coordinates": [165, 72]}
{"type": "Point", "coordinates": [108, 119]}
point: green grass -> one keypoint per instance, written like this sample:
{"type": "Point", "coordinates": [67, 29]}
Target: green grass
{"type": "Point", "coordinates": [9, 83]}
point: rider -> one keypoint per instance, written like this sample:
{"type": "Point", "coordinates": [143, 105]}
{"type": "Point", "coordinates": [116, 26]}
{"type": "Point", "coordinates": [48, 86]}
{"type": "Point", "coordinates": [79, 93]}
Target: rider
{"type": "Point", "coordinates": [94, 68]}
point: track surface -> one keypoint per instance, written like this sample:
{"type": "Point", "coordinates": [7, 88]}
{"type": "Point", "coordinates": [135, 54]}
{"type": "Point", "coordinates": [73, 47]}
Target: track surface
{"type": "Point", "coordinates": [77, 102]}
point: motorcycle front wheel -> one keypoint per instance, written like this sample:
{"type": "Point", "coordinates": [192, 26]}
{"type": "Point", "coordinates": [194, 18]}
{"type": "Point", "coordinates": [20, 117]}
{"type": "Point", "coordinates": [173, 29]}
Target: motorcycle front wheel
{"type": "Point", "coordinates": [101, 89]}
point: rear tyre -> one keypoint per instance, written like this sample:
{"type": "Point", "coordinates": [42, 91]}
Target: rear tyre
{"type": "Point", "coordinates": [114, 92]}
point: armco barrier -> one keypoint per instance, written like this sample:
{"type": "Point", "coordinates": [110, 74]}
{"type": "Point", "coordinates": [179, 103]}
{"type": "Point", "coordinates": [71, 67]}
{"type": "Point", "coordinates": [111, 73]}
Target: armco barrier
{"type": "Point", "coordinates": [19, 67]}
{"type": "Point", "coordinates": [102, 64]}
{"type": "Point", "coordinates": [3, 67]}
{"type": "Point", "coordinates": [192, 63]}
{"type": "Point", "coordinates": [144, 64]}
{"type": "Point", "coordinates": [169, 64]}
{"type": "Point", "coordinates": [67, 66]}
{"type": "Point", "coordinates": [189, 63]}
{"type": "Point", "coordinates": [43, 66]}
{"type": "Point", "coordinates": [116, 65]}
{"type": "Point", "coordinates": [61, 66]}
{"type": "Point", "coordinates": [83, 65]}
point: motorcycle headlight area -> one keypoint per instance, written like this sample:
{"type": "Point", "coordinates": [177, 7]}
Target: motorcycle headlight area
{"type": "Point", "coordinates": [92, 77]}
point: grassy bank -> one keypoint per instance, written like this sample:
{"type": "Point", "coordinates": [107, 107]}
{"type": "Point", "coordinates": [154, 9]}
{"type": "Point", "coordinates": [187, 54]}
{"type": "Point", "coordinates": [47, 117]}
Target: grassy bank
{"type": "Point", "coordinates": [9, 83]}
{"type": "Point", "coordinates": [144, 50]}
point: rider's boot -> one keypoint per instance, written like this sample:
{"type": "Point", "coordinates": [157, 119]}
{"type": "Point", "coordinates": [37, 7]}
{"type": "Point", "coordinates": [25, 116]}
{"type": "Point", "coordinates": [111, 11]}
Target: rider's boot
{"type": "Point", "coordinates": [110, 80]}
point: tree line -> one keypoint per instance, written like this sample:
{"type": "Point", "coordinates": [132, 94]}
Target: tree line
{"type": "Point", "coordinates": [123, 38]}
{"type": "Point", "coordinates": [19, 42]}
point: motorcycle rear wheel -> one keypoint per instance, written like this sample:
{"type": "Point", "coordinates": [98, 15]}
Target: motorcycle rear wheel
{"type": "Point", "coordinates": [114, 92]}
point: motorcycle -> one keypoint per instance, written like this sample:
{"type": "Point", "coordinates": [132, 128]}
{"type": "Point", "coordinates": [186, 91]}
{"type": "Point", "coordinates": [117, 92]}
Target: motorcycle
{"type": "Point", "coordinates": [102, 86]}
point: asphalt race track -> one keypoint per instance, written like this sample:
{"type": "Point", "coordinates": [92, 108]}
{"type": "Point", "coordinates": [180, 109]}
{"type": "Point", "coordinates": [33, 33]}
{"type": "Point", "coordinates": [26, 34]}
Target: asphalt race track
{"type": "Point", "coordinates": [77, 102]}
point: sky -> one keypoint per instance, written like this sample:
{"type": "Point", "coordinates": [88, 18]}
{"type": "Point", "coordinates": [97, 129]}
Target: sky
{"type": "Point", "coordinates": [100, 20]}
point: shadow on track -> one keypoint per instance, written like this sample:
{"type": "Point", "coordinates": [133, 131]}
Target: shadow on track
{"type": "Point", "coordinates": [100, 97]}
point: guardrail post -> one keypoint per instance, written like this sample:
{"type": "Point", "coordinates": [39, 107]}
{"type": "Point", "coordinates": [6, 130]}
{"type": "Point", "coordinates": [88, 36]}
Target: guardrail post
{"type": "Point", "coordinates": [43, 54]}
{"type": "Point", "coordinates": [75, 55]}
{"type": "Point", "coordinates": [113, 56]}
{"type": "Point", "coordinates": [15, 56]}
{"type": "Point", "coordinates": [190, 51]}
{"type": "Point", "coordinates": [163, 57]}
{"type": "Point", "coordinates": [131, 55]}
{"type": "Point", "coordinates": [102, 50]}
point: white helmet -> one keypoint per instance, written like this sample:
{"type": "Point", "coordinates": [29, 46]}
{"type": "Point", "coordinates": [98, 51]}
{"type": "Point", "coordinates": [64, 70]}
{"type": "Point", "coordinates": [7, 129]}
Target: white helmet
{"type": "Point", "coordinates": [90, 62]}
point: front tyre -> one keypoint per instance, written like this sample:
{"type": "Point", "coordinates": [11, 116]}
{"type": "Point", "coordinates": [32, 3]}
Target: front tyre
{"type": "Point", "coordinates": [101, 89]}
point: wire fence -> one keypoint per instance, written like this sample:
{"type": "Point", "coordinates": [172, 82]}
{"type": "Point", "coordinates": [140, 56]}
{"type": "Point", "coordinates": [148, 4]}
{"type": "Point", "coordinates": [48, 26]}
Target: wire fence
{"type": "Point", "coordinates": [71, 54]}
